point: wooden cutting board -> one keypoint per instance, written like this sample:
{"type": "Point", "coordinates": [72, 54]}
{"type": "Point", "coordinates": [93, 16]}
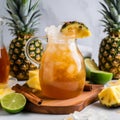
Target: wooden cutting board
{"type": "Point", "coordinates": [52, 106]}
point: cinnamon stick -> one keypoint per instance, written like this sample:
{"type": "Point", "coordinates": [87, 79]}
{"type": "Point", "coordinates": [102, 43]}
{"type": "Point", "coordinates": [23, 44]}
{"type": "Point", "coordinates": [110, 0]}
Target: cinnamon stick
{"type": "Point", "coordinates": [88, 87]}
{"type": "Point", "coordinates": [29, 95]}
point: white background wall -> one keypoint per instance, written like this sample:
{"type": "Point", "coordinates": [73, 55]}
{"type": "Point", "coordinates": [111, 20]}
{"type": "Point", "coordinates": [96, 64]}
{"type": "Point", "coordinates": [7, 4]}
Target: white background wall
{"type": "Point", "coordinates": [58, 11]}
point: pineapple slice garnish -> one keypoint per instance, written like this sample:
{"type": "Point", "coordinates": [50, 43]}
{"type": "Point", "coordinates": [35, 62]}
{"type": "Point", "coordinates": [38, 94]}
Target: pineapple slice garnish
{"type": "Point", "coordinates": [75, 29]}
{"type": "Point", "coordinates": [33, 81]}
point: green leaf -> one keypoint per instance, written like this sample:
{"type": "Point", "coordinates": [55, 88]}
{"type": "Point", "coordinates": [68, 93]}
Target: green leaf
{"type": "Point", "coordinates": [107, 2]}
{"type": "Point", "coordinates": [10, 13]}
{"type": "Point", "coordinates": [114, 13]}
{"type": "Point", "coordinates": [16, 19]}
{"type": "Point", "coordinates": [118, 5]}
{"type": "Point", "coordinates": [34, 24]}
{"type": "Point", "coordinates": [11, 25]}
{"type": "Point", "coordinates": [31, 13]}
{"type": "Point", "coordinates": [28, 17]}
{"type": "Point", "coordinates": [12, 6]}
{"type": "Point", "coordinates": [35, 5]}
{"type": "Point", "coordinates": [106, 16]}
{"type": "Point", "coordinates": [33, 16]}
{"type": "Point", "coordinates": [105, 11]}
{"type": "Point", "coordinates": [104, 21]}
{"type": "Point", "coordinates": [118, 18]}
{"type": "Point", "coordinates": [9, 20]}
{"type": "Point", "coordinates": [24, 8]}
{"type": "Point", "coordinates": [105, 8]}
{"type": "Point", "coordinates": [17, 2]}
{"type": "Point", "coordinates": [24, 17]}
{"type": "Point", "coordinates": [114, 3]}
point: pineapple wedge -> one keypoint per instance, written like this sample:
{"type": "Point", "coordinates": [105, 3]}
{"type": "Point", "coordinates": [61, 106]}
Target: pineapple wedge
{"type": "Point", "coordinates": [110, 96]}
{"type": "Point", "coordinates": [33, 81]}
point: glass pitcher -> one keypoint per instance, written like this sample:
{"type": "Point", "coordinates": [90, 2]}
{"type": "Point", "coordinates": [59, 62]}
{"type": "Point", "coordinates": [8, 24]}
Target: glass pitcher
{"type": "Point", "coordinates": [62, 70]}
{"type": "Point", "coordinates": [4, 59]}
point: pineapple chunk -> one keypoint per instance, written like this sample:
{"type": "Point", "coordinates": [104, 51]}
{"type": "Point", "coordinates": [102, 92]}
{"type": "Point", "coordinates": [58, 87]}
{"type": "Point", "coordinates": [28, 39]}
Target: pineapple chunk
{"type": "Point", "coordinates": [110, 96]}
{"type": "Point", "coordinates": [5, 91]}
{"type": "Point", "coordinates": [2, 85]}
{"type": "Point", "coordinates": [33, 81]}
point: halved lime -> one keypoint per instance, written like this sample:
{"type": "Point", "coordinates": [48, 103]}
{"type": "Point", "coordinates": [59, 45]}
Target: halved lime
{"type": "Point", "coordinates": [13, 102]}
{"type": "Point", "coordinates": [100, 77]}
{"type": "Point", "coordinates": [90, 66]}
{"type": "Point", "coordinates": [95, 75]}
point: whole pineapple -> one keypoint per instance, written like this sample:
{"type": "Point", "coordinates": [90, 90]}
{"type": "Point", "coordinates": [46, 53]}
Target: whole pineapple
{"type": "Point", "coordinates": [109, 52]}
{"type": "Point", "coordinates": [23, 23]}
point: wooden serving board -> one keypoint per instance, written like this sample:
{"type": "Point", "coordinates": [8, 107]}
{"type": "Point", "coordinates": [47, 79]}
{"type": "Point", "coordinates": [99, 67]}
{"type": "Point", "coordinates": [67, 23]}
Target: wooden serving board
{"type": "Point", "coordinates": [52, 106]}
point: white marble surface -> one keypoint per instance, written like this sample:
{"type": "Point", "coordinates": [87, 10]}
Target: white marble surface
{"type": "Point", "coordinates": [29, 116]}
{"type": "Point", "coordinates": [57, 11]}
{"type": "Point", "coordinates": [93, 112]}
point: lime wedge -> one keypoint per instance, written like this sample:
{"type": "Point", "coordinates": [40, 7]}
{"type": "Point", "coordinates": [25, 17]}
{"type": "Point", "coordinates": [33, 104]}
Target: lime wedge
{"type": "Point", "coordinates": [13, 102]}
{"type": "Point", "coordinates": [95, 75]}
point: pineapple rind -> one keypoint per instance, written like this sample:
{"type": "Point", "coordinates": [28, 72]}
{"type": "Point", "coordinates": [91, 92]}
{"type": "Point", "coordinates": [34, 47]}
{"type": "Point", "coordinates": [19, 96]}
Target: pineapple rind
{"type": "Point", "coordinates": [109, 55]}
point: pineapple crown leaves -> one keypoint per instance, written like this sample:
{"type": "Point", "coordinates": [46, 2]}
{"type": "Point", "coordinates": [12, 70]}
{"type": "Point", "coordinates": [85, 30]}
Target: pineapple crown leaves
{"type": "Point", "coordinates": [111, 13]}
{"type": "Point", "coordinates": [24, 17]}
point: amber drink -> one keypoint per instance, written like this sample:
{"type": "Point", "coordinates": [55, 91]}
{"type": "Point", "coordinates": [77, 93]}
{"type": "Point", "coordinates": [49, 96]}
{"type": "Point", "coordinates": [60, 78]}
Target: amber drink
{"type": "Point", "coordinates": [62, 70]}
{"type": "Point", "coordinates": [4, 66]}
{"type": "Point", "coordinates": [4, 59]}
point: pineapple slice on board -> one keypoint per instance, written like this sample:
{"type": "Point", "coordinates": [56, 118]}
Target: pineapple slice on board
{"type": "Point", "coordinates": [110, 96]}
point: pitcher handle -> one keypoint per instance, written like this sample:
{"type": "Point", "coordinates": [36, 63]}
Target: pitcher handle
{"type": "Point", "coordinates": [33, 61]}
